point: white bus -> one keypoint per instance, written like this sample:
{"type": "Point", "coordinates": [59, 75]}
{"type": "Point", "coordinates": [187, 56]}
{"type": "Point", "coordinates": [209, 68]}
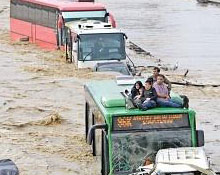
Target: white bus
{"type": "Point", "coordinates": [90, 42]}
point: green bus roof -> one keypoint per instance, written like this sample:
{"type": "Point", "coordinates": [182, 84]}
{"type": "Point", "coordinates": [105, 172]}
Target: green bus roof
{"type": "Point", "coordinates": [107, 96]}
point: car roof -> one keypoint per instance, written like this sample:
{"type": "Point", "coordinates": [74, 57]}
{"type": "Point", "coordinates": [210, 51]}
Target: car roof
{"type": "Point", "coordinates": [118, 63]}
{"type": "Point", "coordinates": [112, 66]}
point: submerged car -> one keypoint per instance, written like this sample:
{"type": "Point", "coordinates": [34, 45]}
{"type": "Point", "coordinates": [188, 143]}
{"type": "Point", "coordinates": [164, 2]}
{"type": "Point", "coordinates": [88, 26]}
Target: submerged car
{"type": "Point", "coordinates": [120, 67]}
{"type": "Point", "coordinates": [8, 167]}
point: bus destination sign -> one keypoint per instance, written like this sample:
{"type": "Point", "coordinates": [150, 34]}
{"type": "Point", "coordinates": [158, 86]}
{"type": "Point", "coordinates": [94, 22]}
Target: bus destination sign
{"type": "Point", "coordinates": [150, 122]}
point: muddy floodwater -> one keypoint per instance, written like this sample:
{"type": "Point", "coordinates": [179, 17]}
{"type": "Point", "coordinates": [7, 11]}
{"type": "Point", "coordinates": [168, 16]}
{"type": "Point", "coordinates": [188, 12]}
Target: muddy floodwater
{"type": "Point", "coordinates": [182, 31]}
{"type": "Point", "coordinates": [42, 97]}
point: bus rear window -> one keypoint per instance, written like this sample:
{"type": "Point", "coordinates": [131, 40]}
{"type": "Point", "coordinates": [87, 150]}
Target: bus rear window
{"type": "Point", "coordinates": [144, 122]}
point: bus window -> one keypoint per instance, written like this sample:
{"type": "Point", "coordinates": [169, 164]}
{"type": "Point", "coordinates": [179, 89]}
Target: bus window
{"type": "Point", "coordinates": [102, 47]}
{"type": "Point", "coordinates": [20, 11]}
{"type": "Point", "coordinates": [131, 149]}
{"type": "Point", "coordinates": [13, 8]}
{"type": "Point", "coordinates": [31, 13]}
{"type": "Point", "coordinates": [91, 15]}
{"type": "Point", "coordinates": [52, 19]}
{"type": "Point", "coordinates": [38, 15]}
{"type": "Point", "coordinates": [45, 17]}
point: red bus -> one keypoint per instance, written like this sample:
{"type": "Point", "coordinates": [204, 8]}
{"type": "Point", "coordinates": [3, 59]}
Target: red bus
{"type": "Point", "coordinates": [37, 20]}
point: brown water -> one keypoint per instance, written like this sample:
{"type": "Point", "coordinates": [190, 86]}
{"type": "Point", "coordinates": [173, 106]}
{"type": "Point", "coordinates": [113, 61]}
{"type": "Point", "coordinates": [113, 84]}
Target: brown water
{"type": "Point", "coordinates": [42, 105]}
{"type": "Point", "coordinates": [182, 31]}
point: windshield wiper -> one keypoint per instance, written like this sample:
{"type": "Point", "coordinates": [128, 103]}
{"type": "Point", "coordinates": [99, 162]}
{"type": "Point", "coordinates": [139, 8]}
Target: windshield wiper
{"type": "Point", "coordinates": [84, 59]}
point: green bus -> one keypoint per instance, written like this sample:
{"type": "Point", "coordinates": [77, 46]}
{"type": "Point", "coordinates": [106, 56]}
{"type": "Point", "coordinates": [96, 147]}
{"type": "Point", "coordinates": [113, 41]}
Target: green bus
{"type": "Point", "coordinates": [123, 138]}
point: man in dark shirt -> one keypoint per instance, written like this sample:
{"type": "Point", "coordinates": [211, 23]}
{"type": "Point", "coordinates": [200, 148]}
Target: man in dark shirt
{"type": "Point", "coordinates": [149, 96]}
{"type": "Point", "coordinates": [156, 72]}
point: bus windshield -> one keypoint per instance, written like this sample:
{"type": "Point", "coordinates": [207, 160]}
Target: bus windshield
{"type": "Point", "coordinates": [130, 149]}
{"type": "Point", "coordinates": [107, 46]}
{"type": "Point", "coordinates": [90, 15]}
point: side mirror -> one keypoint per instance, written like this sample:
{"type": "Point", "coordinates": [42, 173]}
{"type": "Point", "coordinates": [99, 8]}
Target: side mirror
{"type": "Point", "coordinates": [78, 38]}
{"type": "Point", "coordinates": [127, 41]}
{"type": "Point", "coordinates": [107, 14]}
{"type": "Point", "coordinates": [125, 36]}
{"type": "Point", "coordinates": [92, 130]}
{"type": "Point", "coordinates": [200, 138]}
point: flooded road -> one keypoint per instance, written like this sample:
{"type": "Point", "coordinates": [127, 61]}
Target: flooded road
{"type": "Point", "coordinates": [42, 106]}
{"type": "Point", "coordinates": [41, 115]}
{"type": "Point", "coordinates": [182, 31]}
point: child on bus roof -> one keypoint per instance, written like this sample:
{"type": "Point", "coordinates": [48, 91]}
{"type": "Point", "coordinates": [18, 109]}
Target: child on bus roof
{"type": "Point", "coordinates": [149, 96]}
{"type": "Point", "coordinates": [137, 89]}
{"type": "Point", "coordinates": [137, 93]}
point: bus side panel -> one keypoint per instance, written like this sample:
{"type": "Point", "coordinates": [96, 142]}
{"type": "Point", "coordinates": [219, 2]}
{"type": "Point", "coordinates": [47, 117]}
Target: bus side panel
{"type": "Point", "coordinates": [94, 117]}
{"type": "Point", "coordinates": [20, 29]}
{"type": "Point", "coordinates": [192, 121]}
{"type": "Point", "coordinates": [46, 37]}
{"type": "Point", "coordinates": [43, 36]}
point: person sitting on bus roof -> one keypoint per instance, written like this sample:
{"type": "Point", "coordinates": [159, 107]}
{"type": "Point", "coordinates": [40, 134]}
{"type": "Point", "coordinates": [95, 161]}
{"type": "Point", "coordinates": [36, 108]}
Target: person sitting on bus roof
{"type": "Point", "coordinates": [137, 93]}
{"type": "Point", "coordinates": [137, 90]}
{"type": "Point", "coordinates": [163, 98]}
{"type": "Point", "coordinates": [149, 96]}
{"type": "Point", "coordinates": [156, 72]}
